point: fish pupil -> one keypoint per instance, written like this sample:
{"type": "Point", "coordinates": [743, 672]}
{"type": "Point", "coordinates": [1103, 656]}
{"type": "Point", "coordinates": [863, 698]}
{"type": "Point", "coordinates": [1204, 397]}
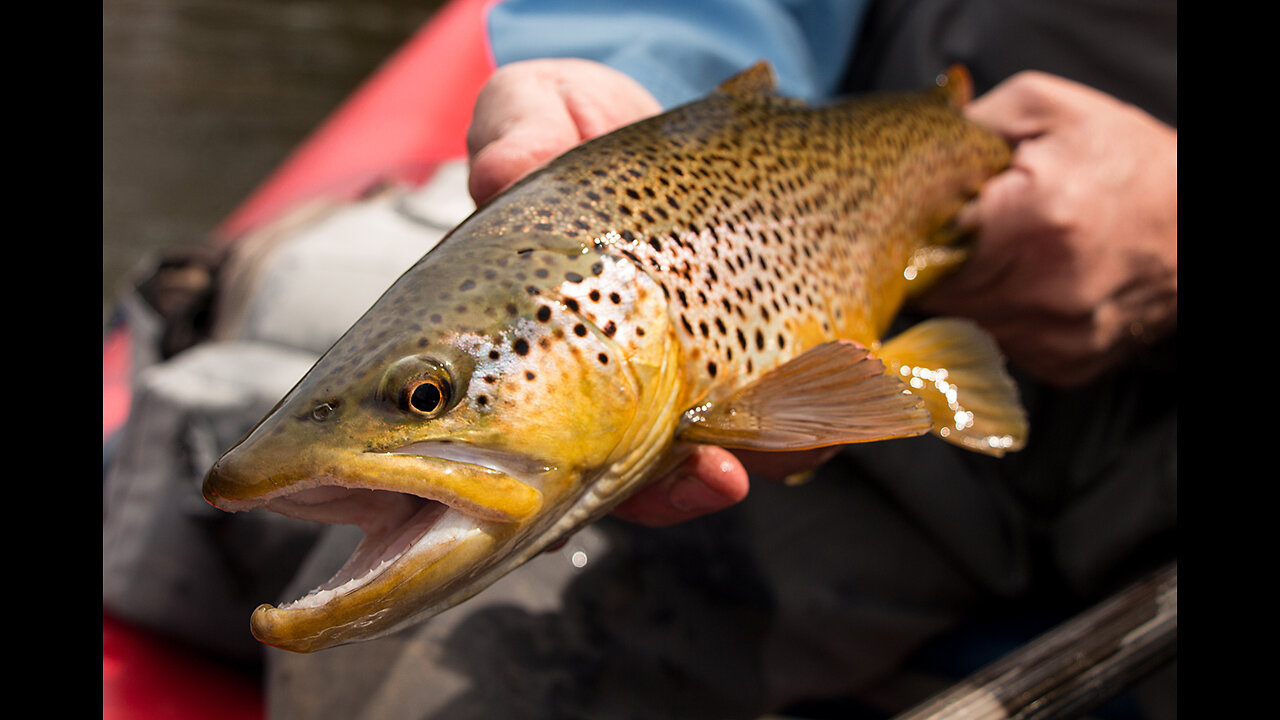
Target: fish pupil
{"type": "Point", "coordinates": [426, 398]}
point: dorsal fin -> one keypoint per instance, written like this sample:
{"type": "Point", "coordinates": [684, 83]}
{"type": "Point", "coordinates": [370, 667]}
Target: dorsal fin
{"type": "Point", "coordinates": [757, 79]}
{"type": "Point", "coordinates": [956, 85]}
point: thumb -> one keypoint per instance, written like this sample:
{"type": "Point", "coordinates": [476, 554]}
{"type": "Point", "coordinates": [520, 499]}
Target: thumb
{"type": "Point", "coordinates": [515, 150]}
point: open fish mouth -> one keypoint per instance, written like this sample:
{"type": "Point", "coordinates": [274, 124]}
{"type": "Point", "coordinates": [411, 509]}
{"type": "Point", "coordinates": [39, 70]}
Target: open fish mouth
{"type": "Point", "coordinates": [399, 523]}
{"type": "Point", "coordinates": [430, 511]}
{"type": "Point", "coordinates": [395, 525]}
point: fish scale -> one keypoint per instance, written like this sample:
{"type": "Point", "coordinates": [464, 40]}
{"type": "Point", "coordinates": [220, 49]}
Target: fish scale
{"type": "Point", "coordinates": [720, 274]}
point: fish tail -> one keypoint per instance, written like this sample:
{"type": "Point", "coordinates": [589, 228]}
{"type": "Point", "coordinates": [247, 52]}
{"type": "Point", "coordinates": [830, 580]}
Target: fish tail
{"type": "Point", "coordinates": [957, 370]}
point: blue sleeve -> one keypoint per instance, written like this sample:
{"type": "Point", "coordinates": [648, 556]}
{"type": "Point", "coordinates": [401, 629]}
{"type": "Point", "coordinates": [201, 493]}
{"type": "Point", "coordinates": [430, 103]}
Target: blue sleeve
{"type": "Point", "coordinates": [679, 49]}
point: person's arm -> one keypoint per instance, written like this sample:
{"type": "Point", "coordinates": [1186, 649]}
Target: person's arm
{"type": "Point", "coordinates": [569, 71]}
{"type": "Point", "coordinates": [679, 50]}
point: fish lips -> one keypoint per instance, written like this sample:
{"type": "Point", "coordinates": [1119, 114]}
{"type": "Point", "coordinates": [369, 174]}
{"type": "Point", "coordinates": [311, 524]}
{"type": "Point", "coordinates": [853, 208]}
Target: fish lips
{"type": "Point", "coordinates": [436, 516]}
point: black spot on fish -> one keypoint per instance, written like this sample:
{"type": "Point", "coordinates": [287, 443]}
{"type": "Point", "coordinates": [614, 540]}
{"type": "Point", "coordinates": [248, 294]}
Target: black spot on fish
{"type": "Point", "coordinates": [494, 354]}
{"type": "Point", "coordinates": [528, 375]}
{"type": "Point", "coordinates": [521, 346]}
{"type": "Point", "coordinates": [711, 368]}
{"type": "Point", "coordinates": [610, 328]}
{"type": "Point", "coordinates": [604, 359]}
{"type": "Point", "coordinates": [466, 285]}
{"type": "Point", "coordinates": [615, 298]}
{"type": "Point", "coordinates": [580, 330]}
{"type": "Point", "coordinates": [571, 303]}
{"type": "Point", "coordinates": [573, 277]}
{"type": "Point", "coordinates": [544, 313]}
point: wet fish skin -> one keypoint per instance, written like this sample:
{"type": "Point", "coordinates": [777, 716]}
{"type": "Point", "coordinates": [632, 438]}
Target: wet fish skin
{"type": "Point", "coordinates": [718, 273]}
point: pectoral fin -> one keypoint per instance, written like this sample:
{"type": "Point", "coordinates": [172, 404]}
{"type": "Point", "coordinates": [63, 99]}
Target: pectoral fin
{"type": "Point", "coordinates": [833, 394]}
{"type": "Point", "coordinates": [957, 370]}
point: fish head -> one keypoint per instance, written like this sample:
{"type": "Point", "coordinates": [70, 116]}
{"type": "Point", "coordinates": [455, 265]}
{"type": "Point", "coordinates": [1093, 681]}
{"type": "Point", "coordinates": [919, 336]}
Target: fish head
{"type": "Point", "coordinates": [472, 417]}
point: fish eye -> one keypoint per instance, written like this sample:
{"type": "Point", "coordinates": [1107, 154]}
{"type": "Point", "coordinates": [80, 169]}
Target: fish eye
{"type": "Point", "coordinates": [419, 386]}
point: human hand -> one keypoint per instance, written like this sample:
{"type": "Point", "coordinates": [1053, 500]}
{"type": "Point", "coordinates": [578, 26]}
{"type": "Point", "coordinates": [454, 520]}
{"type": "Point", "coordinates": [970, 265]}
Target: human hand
{"type": "Point", "coordinates": [712, 479]}
{"type": "Point", "coordinates": [1075, 267]}
{"type": "Point", "coordinates": [529, 112]}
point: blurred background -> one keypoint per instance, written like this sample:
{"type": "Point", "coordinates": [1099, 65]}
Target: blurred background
{"type": "Point", "coordinates": [202, 99]}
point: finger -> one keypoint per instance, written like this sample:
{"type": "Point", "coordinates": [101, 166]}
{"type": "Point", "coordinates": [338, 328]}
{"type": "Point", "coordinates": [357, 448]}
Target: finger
{"type": "Point", "coordinates": [520, 121]}
{"type": "Point", "coordinates": [710, 479]}
{"type": "Point", "coordinates": [1002, 194]}
{"type": "Point", "coordinates": [779, 466]}
{"type": "Point", "coordinates": [523, 148]}
{"type": "Point", "coordinates": [996, 217]}
{"type": "Point", "coordinates": [1019, 108]}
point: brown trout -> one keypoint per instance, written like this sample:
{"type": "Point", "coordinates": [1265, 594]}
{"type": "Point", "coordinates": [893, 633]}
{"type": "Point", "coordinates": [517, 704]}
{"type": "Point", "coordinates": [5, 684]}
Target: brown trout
{"type": "Point", "coordinates": [720, 274]}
